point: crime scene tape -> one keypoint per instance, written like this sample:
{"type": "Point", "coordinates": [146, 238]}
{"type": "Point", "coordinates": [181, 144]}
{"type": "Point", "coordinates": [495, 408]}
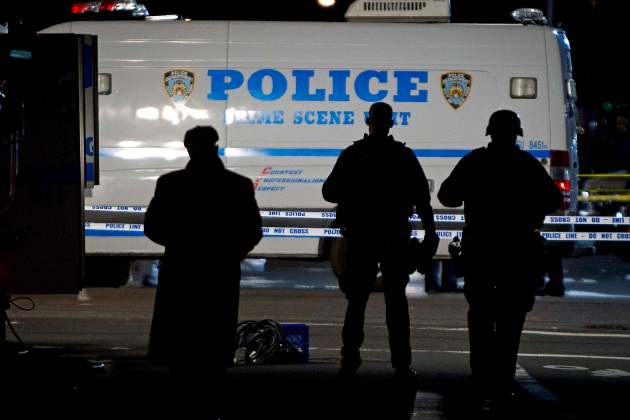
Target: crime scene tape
{"type": "Point", "coordinates": [136, 229]}
{"type": "Point", "coordinates": [440, 217]}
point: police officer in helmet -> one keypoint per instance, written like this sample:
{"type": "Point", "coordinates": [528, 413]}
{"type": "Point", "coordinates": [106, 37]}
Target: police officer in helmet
{"type": "Point", "coordinates": [377, 183]}
{"type": "Point", "coordinates": [506, 194]}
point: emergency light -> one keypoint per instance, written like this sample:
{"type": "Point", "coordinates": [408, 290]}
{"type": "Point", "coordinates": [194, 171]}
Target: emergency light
{"type": "Point", "coordinates": [528, 16]}
{"type": "Point", "coordinates": [110, 6]}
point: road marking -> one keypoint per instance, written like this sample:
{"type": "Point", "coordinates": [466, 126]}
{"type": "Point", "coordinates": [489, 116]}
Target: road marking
{"type": "Point", "coordinates": [428, 406]}
{"type": "Point", "coordinates": [538, 355]}
{"type": "Point", "coordinates": [464, 329]}
{"type": "Point", "coordinates": [532, 386]}
{"type": "Point", "coordinates": [611, 373]}
{"type": "Point", "coordinates": [566, 367]}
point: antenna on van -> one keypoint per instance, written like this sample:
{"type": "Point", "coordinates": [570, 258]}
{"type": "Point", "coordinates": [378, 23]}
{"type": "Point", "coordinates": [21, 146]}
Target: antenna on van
{"type": "Point", "coordinates": [399, 11]}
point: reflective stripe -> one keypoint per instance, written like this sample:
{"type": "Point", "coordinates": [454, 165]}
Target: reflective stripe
{"type": "Point", "coordinates": [135, 229]}
{"type": "Point", "coordinates": [440, 217]}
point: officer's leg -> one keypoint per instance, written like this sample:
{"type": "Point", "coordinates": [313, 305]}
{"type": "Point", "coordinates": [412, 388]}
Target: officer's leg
{"type": "Point", "coordinates": [395, 279]}
{"type": "Point", "coordinates": [357, 283]}
{"type": "Point", "coordinates": [352, 333]}
{"type": "Point", "coordinates": [508, 335]}
{"type": "Point", "coordinates": [481, 320]}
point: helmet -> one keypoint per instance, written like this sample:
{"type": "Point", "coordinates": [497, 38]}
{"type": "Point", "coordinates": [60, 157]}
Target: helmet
{"type": "Point", "coordinates": [504, 122]}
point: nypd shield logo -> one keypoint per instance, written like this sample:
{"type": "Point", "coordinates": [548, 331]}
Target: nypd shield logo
{"type": "Point", "coordinates": [456, 88]}
{"type": "Point", "coordinates": [179, 84]}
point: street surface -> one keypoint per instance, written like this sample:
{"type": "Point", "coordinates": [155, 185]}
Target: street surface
{"type": "Point", "coordinates": [574, 358]}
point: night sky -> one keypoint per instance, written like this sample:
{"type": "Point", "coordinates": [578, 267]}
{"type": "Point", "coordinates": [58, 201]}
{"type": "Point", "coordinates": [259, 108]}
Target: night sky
{"type": "Point", "coordinates": [596, 28]}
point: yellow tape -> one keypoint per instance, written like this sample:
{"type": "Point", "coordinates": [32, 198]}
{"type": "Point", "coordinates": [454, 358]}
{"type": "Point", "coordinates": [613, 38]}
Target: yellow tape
{"type": "Point", "coordinates": [604, 175]}
{"type": "Point", "coordinates": [624, 198]}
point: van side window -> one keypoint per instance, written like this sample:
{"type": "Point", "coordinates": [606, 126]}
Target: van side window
{"type": "Point", "coordinates": [104, 83]}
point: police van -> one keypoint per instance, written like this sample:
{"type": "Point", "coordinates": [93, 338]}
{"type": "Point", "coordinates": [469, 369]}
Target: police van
{"type": "Point", "coordinates": [288, 97]}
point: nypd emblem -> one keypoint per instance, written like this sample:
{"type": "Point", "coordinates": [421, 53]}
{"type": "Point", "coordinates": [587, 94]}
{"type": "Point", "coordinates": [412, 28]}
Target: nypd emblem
{"type": "Point", "coordinates": [456, 88]}
{"type": "Point", "coordinates": [179, 84]}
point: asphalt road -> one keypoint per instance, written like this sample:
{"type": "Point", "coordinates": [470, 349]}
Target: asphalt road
{"type": "Point", "coordinates": [574, 357]}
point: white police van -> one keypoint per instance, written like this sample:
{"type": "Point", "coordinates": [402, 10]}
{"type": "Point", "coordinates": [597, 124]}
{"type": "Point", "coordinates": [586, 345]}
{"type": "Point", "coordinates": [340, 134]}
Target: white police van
{"type": "Point", "coordinates": [287, 97]}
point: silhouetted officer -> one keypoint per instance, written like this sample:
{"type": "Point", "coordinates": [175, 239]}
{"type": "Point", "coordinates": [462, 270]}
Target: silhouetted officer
{"type": "Point", "coordinates": [376, 183]}
{"type": "Point", "coordinates": [506, 194]}
{"type": "Point", "coordinates": [207, 218]}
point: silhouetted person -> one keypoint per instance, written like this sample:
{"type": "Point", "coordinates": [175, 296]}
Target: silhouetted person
{"type": "Point", "coordinates": [376, 183]}
{"type": "Point", "coordinates": [207, 218]}
{"type": "Point", "coordinates": [506, 194]}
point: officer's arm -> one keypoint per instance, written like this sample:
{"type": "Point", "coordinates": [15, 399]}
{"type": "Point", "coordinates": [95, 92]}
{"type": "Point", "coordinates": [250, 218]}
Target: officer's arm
{"type": "Point", "coordinates": [251, 221]}
{"type": "Point", "coordinates": [550, 196]}
{"type": "Point", "coordinates": [451, 192]}
{"type": "Point", "coordinates": [155, 218]}
{"type": "Point", "coordinates": [333, 189]}
{"type": "Point", "coordinates": [422, 195]}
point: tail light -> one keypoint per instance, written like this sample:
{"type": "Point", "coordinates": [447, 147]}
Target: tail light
{"type": "Point", "coordinates": [560, 165]}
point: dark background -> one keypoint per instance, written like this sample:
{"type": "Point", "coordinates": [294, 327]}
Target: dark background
{"type": "Point", "coordinates": [595, 28]}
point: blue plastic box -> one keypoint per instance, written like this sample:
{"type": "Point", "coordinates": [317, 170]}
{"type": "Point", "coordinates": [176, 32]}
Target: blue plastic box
{"type": "Point", "coordinates": [296, 338]}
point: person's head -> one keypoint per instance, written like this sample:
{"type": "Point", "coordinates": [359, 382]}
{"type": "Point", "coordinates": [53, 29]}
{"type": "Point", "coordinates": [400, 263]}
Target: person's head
{"type": "Point", "coordinates": [380, 118]}
{"type": "Point", "coordinates": [200, 142]}
{"type": "Point", "coordinates": [504, 127]}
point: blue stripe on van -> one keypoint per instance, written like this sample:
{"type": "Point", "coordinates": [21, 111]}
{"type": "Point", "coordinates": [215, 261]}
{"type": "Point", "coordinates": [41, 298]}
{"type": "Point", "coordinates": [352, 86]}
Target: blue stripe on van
{"type": "Point", "coordinates": [234, 152]}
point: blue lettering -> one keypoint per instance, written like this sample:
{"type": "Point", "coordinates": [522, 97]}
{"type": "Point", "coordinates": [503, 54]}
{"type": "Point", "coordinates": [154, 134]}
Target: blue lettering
{"type": "Point", "coordinates": [328, 215]}
{"type": "Point", "coordinates": [406, 86]}
{"type": "Point", "coordinates": [298, 118]}
{"type": "Point", "coordinates": [348, 117]}
{"type": "Point", "coordinates": [299, 231]}
{"type": "Point", "coordinates": [265, 230]}
{"type": "Point", "coordinates": [302, 87]}
{"type": "Point", "coordinates": [607, 236]}
{"type": "Point", "coordinates": [135, 226]}
{"type": "Point", "coordinates": [595, 219]}
{"type": "Point", "coordinates": [278, 84]}
{"type": "Point", "coordinates": [322, 117]}
{"type": "Point", "coordinates": [339, 85]}
{"type": "Point", "coordinates": [405, 118]}
{"type": "Point", "coordinates": [295, 214]}
{"type": "Point", "coordinates": [571, 236]}
{"type": "Point", "coordinates": [219, 86]}
{"type": "Point", "coordinates": [335, 117]}
{"type": "Point", "coordinates": [617, 220]}
{"type": "Point", "coordinates": [362, 85]}
{"type": "Point", "coordinates": [592, 236]}
{"type": "Point", "coordinates": [623, 236]}
{"type": "Point", "coordinates": [580, 219]}
{"type": "Point", "coordinates": [278, 117]}
{"type": "Point", "coordinates": [309, 117]}
{"type": "Point", "coordinates": [273, 213]}
{"type": "Point", "coordinates": [278, 230]}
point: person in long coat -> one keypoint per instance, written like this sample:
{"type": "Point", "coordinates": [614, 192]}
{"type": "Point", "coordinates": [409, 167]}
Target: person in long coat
{"type": "Point", "coordinates": [208, 220]}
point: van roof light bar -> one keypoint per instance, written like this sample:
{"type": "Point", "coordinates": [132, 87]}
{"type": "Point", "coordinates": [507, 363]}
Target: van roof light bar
{"type": "Point", "coordinates": [528, 16]}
